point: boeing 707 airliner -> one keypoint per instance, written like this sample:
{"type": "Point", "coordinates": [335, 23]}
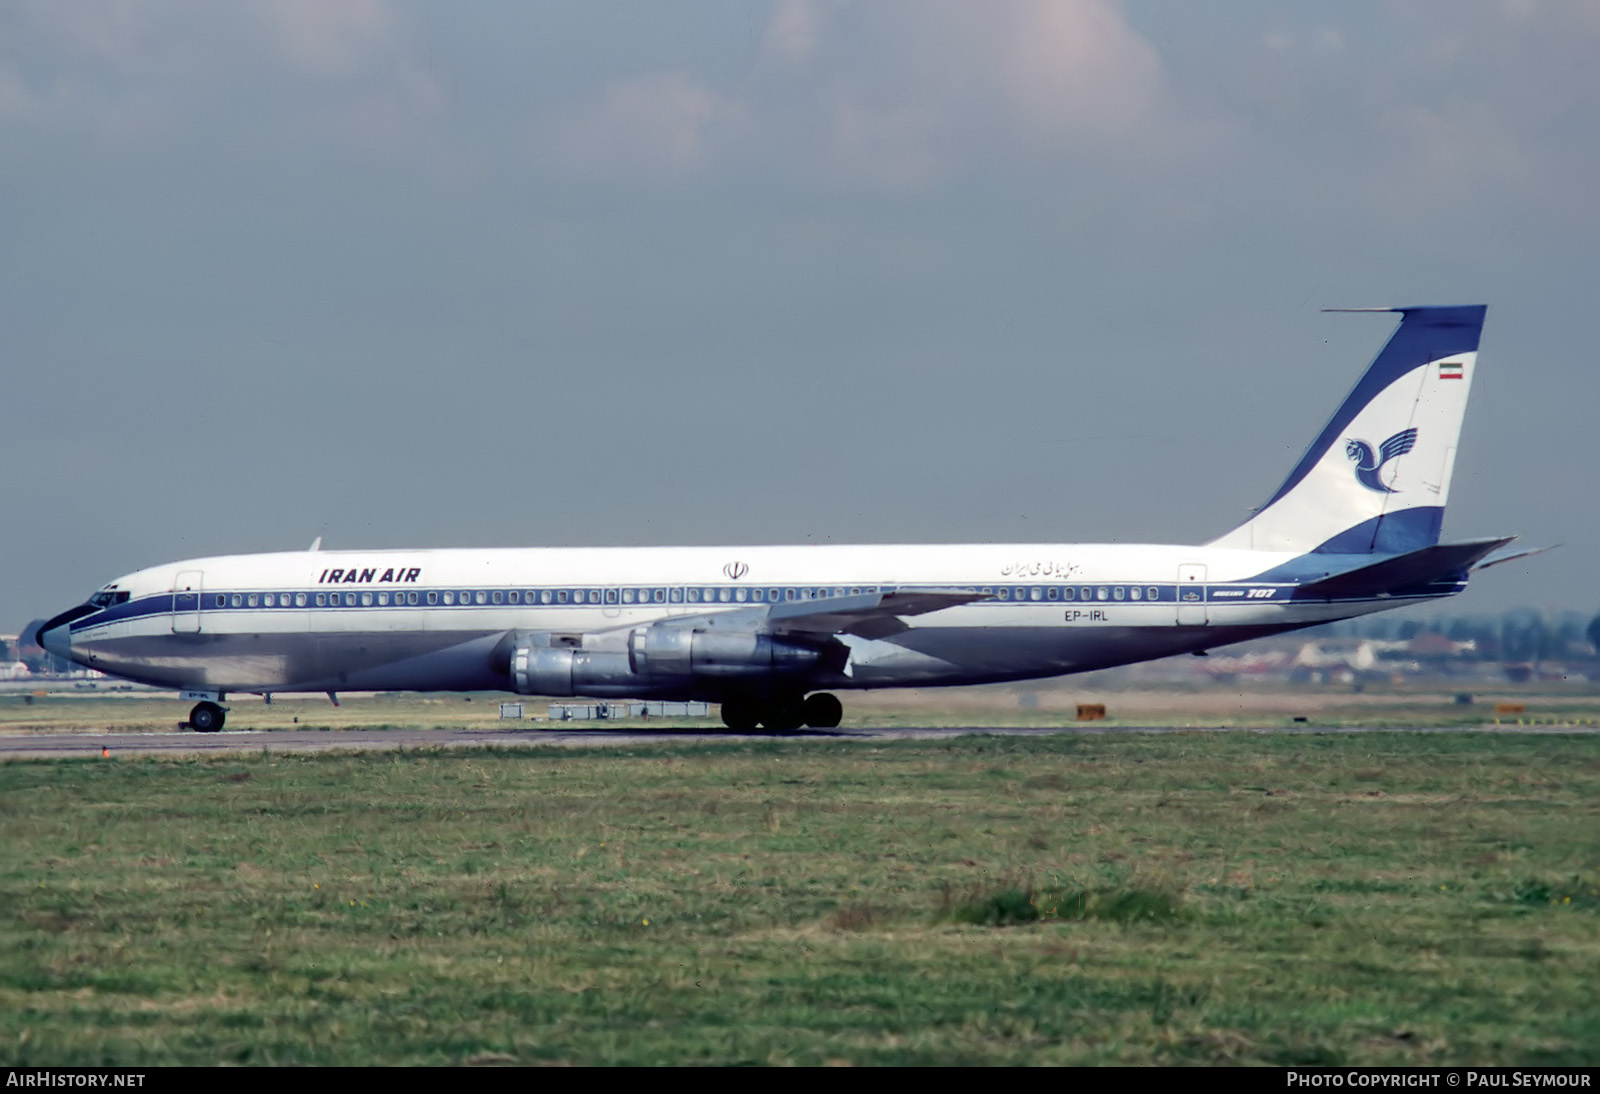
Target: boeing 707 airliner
{"type": "Point", "coordinates": [771, 633]}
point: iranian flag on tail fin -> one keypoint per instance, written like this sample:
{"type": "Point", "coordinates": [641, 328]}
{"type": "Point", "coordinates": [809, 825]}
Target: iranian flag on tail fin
{"type": "Point", "coordinates": [1452, 370]}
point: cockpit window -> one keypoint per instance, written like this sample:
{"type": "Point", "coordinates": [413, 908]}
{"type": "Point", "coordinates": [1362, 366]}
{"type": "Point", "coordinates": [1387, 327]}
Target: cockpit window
{"type": "Point", "coordinates": [106, 598]}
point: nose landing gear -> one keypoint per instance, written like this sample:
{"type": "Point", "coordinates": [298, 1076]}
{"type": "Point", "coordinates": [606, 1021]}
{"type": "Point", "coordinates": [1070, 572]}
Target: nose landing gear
{"type": "Point", "coordinates": [207, 717]}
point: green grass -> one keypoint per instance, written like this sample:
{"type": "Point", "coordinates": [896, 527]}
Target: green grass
{"type": "Point", "coordinates": [1410, 704]}
{"type": "Point", "coordinates": [1180, 898]}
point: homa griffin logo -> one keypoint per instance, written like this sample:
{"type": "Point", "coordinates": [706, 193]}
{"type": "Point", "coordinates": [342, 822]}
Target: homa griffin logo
{"type": "Point", "coordinates": [1369, 467]}
{"type": "Point", "coordinates": [735, 570]}
{"type": "Point", "coordinates": [394, 575]}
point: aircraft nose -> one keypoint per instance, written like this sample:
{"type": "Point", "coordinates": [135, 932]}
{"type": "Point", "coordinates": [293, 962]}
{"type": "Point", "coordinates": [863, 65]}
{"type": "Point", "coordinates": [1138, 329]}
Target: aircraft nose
{"type": "Point", "coordinates": [58, 640]}
{"type": "Point", "coordinates": [55, 634]}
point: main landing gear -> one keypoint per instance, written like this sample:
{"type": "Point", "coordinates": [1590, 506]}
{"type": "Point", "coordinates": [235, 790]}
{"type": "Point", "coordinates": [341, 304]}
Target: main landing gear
{"type": "Point", "coordinates": [207, 717]}
{"type": "Point", "coordinates": [783, 715]}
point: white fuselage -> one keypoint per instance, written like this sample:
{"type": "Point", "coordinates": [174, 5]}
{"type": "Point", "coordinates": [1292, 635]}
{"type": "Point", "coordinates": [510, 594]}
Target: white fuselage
{"type": "Point", "coordinates": [433, 619]}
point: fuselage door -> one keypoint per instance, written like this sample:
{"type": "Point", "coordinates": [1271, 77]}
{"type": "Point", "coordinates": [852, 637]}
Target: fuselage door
{"type": "Point", "coordinates": [186, 590]}
{"type": "Point", "coordinates": [1192, 595]}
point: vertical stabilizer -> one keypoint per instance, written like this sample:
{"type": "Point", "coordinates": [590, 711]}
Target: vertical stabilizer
{"type": "Point", "coordinates": [1376, 479]}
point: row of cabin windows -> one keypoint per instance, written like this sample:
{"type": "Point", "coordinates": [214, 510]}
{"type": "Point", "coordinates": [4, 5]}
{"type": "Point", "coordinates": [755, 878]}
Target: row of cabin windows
{"type": "Point", "coordinates": [533, 596]}
{"type": "Point", "coordinates": [1077, 592]}
{"type": "Point", "coordinates": [704, 595]}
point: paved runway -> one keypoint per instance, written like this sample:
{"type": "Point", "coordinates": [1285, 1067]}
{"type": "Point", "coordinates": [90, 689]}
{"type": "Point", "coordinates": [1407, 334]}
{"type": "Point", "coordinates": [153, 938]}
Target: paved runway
{"type": "Point", "coordinates": [180, 743]}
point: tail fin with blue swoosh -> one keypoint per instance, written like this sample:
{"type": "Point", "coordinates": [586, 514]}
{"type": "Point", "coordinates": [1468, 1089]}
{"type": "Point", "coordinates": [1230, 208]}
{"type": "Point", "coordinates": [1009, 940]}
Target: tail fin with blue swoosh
{"type": "Point", "coordinates": [1376, 479]}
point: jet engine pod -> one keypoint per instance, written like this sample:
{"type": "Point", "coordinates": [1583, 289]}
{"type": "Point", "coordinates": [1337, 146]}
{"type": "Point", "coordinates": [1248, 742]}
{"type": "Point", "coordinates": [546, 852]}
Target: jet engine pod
{"type": "Point", "coordinates": [664, 650]}
{"type": "Point", "coordinates": [545, 670]}
{"type": "Point", "coordinates": [658, 657]}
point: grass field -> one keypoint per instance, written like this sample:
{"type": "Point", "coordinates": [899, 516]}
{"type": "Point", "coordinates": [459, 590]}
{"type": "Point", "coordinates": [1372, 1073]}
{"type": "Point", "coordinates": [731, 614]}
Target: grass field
{"type": "Point", "coordinates": [1177, 898]}
{"type": "Point", "coordinates": [1053, 703]}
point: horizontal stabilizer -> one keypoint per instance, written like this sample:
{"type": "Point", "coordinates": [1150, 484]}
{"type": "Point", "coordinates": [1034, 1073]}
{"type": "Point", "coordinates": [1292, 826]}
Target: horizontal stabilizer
{"type": "Point", "coordinates": [1440, 562]}
{"type": "Point", "coordinates": [1511, 556]}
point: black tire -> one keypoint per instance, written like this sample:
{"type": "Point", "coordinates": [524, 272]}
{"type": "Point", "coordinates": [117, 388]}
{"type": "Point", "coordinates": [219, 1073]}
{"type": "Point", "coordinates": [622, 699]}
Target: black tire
{"type": "Point", "coordinates": [783, 717]}
{"type": "Point", "coordinates": [207, 718]}
{"type": "Point", "coordinates": [740, 714]}
{"type": "Point", "coordinates": [822, 711]}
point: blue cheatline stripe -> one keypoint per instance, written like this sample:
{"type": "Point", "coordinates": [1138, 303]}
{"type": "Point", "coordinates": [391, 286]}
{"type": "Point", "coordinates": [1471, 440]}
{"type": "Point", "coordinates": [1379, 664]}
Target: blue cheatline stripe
{"type": "Point", "coordinates": [709, 597]}
{"type": "Point", "coordinates": [1274, 586]}
{"type": "Point", "coordinates": [1424, 335]}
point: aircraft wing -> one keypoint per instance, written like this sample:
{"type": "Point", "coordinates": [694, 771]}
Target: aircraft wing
{"type": "Point", "coordinates": [870, 615]}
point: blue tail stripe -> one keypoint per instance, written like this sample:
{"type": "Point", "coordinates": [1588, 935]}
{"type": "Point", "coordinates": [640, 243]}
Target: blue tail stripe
{"type": "Point", "coordinates": [1390, 534]}
{"type": "Point", "coordinates": [1424, 334]}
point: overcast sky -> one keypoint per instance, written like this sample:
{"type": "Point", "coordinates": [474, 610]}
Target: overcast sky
{"type": "Point", "coordinates": [806, 271]}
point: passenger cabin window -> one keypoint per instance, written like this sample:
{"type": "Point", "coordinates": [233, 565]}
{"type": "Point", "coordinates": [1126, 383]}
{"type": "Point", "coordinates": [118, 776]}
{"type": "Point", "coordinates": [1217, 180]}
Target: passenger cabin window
{"type": "Point", "coordinates": [383, 600]}
{"type": "Point", "coordinates": [544, 596]}
{"type": "Point", "coordinates": [1069, 593]}
{"type": "Point", "coordinates": [498, 597]}
{"type": "Point", "coordinates": [561, 596]}
{"type": "Point", "coordinates": [433, 598]}
{"type": "Point", "coordinates": [1117, 593]}
{"type": "Point", "coordinates": [449, 597]}
{"type": "Point", "coordinates": [675, 596]}
{"type": "Point", "coordinates": [1135, 593]}
{"type": "Point", "coordinates": [1101, 593]}
{"type": "Point", "coordinates": [299, 600]}
{"type": "Point", "coordinates": [322, 600]}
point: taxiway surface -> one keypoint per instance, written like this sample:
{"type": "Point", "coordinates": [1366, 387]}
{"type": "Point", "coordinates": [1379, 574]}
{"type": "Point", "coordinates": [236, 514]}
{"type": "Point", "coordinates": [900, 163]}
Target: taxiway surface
{"type": "Point", "coordinates": [175, 743]}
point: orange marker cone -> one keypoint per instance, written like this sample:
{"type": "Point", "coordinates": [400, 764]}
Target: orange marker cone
{"type": "Point", "coordinates": [104, 751]}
